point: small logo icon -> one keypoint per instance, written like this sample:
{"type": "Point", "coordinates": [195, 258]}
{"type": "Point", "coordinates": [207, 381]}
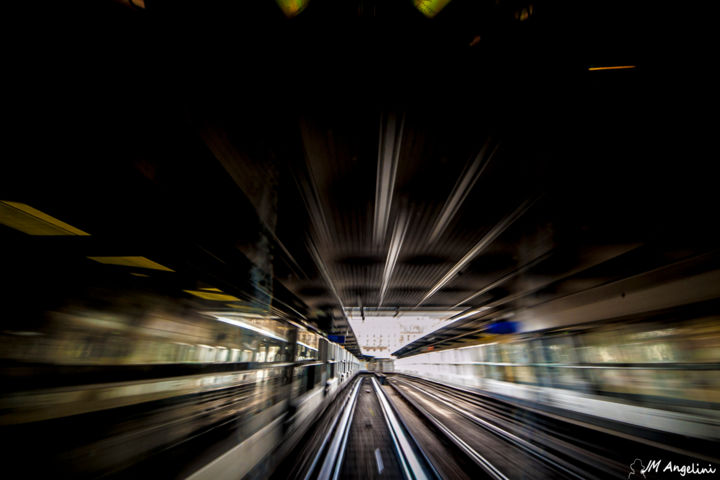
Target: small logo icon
{"type": "Point", "coordinates": [637, 470]}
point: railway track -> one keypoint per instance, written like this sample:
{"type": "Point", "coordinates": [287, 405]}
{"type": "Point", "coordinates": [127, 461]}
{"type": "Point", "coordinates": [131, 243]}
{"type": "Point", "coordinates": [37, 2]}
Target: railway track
{"type": "Point", "coordinates": [367, 439]}
{"type": "Point", "coordinates": [498, 452]}
{"type": "Point", "coordinates": [544, 444]}
{"type": "Point", "coordinates": [409, 428]}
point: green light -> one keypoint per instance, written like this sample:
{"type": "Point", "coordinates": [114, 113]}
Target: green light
{"type": "Point", "coordinates": [292, 7]}
{"type": "Point", "coordinates": [430, 8]}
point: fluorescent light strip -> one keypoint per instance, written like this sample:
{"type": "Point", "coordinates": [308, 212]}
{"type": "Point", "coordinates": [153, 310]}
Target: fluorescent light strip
{"type": "Point", "coordinates": [468, 314]}
{"type": "Point", "coordinates": [249, 315]}
{"type": "Point", "coordinates": [452, 321]}
{"type": "Point", "coordinates": [32, 221]}
{"type": "Point", "coordinates": [137, 262]}
{"type": "Point", "coordinates": [247, 326]}
{"type": "Point", "coordinates": [215, 297]}
{"type": "Point", "coordinates": [307, 346]}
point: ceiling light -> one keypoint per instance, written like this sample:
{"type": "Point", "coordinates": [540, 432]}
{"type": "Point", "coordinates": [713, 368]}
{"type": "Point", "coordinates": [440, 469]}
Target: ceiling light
{"type": "Point", "coordinates": [292, 7]}
{"type": "Point", "coordinates": [217, 297]}
{"type": "Point", "coordinates": [468, 314]}
{"type": "Point", "coordinates": [430, 8]}
{"type": "Point", "coordinates": [248, 326]}
{"type": "Point", "coordinates": [34, 222]}
{"type": "Point", "coordinates": [137, 262]}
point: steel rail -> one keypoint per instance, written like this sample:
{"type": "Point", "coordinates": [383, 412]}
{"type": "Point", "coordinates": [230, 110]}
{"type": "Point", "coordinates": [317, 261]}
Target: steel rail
{"type": "Point", "coordinates": [528, 447]}
{"type": "Point", "coordinates": [470, 452]}
{"type": "Point", "coordinates": [412, 465]}
{"type": "Point", "coordinates": [336, 451]}
{"type": "Point", "coordinates": [329, 433]}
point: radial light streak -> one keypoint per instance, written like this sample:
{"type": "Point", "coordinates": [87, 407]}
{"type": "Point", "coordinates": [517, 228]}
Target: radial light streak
{"type": "Point", "coordinates": [32, 221]}
{"type": "Point", "coordinates": [398, 237]}
{"type": "Point", "coordinates": [467, 314]}
{"type": "Point", "coordinates": [489, 237]}
{"type": "Point", "coordinates": [391, 133]}
{"type": "Point", "coordinates": [325, 274]}
{"type": "Point", "coordinates": [307, 184]}
{"type": "Point", "coordinates": [503, 279]}
{"type": "Point", "coordinates": [228, 157]}
{"type": "Point", "coordinates": [462, 188]}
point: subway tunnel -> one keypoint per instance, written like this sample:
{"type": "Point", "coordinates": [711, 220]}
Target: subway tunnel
{"type": "Point", "coordinates": [312, 239]}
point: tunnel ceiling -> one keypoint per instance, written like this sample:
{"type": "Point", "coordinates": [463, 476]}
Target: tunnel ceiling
{"type": "Point", "coordinates": [358, 154]}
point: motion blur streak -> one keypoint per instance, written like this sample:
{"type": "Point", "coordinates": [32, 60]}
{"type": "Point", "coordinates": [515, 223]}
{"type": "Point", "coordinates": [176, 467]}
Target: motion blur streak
{"type": "Point", "coordinates": [361, 239]}
{"type": "Point", "coordinates": [396, 241]}
{"type": "Point", "coordinates": [391, 135]}
{"type": "Point", "coordinates": [462, 188]}
{"type": "Point", "coordinates": [34, 222]}
{"type": "Point", "coordinates": [670, 368]}
{"type": "Point", "coordinates": [501, 280]}
{"type": "Point", "coordinates": [486, 240]}
{"type": "Point", "coordinates": [619, 67]}
{"type": "Point", "coordinates": [137, 262]}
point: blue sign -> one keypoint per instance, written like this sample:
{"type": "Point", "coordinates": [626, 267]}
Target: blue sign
{"type": "Point", "coordinates": [502, 327]}
{"type": "Point", "coordinates": [337, 338]}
